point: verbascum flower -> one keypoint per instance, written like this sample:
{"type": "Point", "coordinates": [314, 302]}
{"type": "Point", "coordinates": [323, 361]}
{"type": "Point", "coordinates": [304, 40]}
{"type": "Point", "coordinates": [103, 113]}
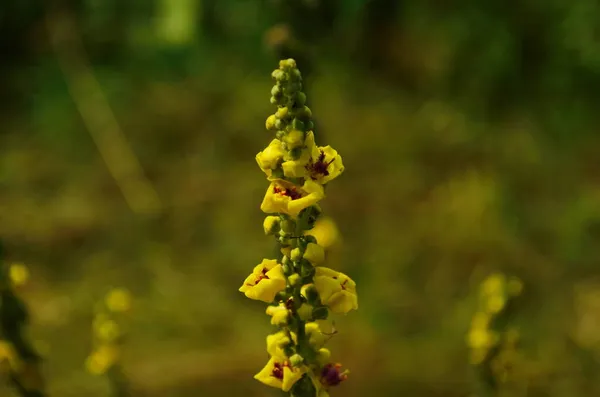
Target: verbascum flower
{"type": "Point", "coordinates": [490, 338]}
{"type": "Point", "coordinates": [118, 300]}
{"type": "Point", "coordinates": [271, 157]}
{"type": "Point", "coordinates": [102, 359]}
{"type": "Point", "coordinates": [337, 291]}
{"type": "Point", "coordinates": [286, 198]}
{"type": "Point", "coordinates": [320, 164]}
{"type": "Point", "coordinates": [279, 314]}
{"type": "Point", "coordinates": [276, 344]}
{"type": "Point", "coordinates": [280, 374]}
{"type": "Point", "coordinates": [19, 274]}
{"type": "Point", "coordinates": [300, 292]}
{"type": "Point", "coordinates": [265, 282]}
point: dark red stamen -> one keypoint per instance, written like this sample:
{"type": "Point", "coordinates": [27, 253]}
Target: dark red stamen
{"type": "Point", "coordinates": [320, 166]}
{"type": "Point", "coordinates": [277, 371]}
{"type": "Point", "coordinates": [290, 192]}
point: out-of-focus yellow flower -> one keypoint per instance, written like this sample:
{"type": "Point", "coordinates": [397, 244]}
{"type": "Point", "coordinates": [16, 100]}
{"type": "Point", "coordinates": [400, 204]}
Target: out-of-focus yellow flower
{"type": "Point", "coordinates": [270, 158]}
{"type": "Point", "coordinates": [325, 231]}
{"type": "Point", "coordinates": [495, 303]}
{"type": "Point", "coordinates": [285, 197]}
{"type": "Point", "coordinates": [493, 285]}
{"type": "Point", "coordinates": [19, 274]}
{"type": "Point", "coordinates": [337, 291]}
{"type": "Point", "coordinates": [276, 343]}
{"type": "Point", "coordinates": [118, 300]}
{"type": "Point", "coordinates": [108, 331]}
{"type": "Point", "coordinates": [314, 253]}
{"type": "Point", "coordinates": [279, 314]}
{"type": "Point", "coordinates": [102, 359]}
{"type": "Point", "coordinates": [265, 282]}
{"type": "Point", "coordinates": [481, 339]}
{"type": "Point", "coordinates": [476, 356]}
{"type": "Point", "coordinates": [9, 357]}
{"type": "Point", "coordinates": [280, 374]}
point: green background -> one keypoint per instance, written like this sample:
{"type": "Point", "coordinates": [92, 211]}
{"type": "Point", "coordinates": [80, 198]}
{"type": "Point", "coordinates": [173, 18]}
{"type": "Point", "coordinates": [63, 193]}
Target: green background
{"type": "Point", "coordinates": [469, 132]}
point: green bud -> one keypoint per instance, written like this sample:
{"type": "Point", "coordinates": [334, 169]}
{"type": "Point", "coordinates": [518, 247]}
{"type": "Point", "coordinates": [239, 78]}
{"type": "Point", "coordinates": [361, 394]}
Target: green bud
{"type": "Point", "coordinates": [296, 360]}
{"type": "Point", "coordinates": [298, 125]}
{"type": "Point", "coordinates": [304, 114]}
{"type": "Point", "coordinates": [300, 99]}
{"type": "Point", "coordinates": [276, 91]}
{"type": "Point", "coordinates": [279, 124]}
{"type": "Point", "coordinates": [296, 254]}
{"type": "Point", "coordinates": [320, 313]}
{"type": "Point", "coordinates": [273, 100]}
{"type": "Point", "coordinates": [309, 292]}
{"type": "Point", "coordinates": [287, 269]}
{"type": "Point", "coordinates": [310, 125]}
{"type": "Point", "coordinates": [307, 271]}
{"type": "Point", "coordinates": [278, 74]}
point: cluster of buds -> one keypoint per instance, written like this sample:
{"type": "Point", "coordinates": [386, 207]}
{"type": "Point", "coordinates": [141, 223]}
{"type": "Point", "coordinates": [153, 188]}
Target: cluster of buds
{"type": "Point", "coordinates": [108, 337]}
{"type": "Point", "coordinates": [492, 339]}
{"type": "Point", "coordinates": [301, 292]}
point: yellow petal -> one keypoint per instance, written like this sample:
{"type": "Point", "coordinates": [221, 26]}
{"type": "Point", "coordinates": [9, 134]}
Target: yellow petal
{"type": "Point", "coordinates": [270, 157]}
{"type": "Point", "coordinates": [19, 274]}
{"type": "Point", "coordinates": [314, 253]}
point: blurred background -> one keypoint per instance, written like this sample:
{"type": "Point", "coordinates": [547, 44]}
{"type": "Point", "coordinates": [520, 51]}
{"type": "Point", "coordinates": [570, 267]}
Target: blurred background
{"type": "Point", "coordinates": [469, 132]}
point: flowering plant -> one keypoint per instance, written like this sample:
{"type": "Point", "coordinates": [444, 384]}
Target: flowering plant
{"type": "Point", "coordinates": [300, 292]}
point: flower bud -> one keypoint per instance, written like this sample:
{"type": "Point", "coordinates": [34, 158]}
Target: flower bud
{"type": "Point", "coordinates": [293, 279]}
{"type": "Point", "coordinates": [296, 254]}
{"type": "Point", "coordinates": [300, 98]}
{"type": "Point", "coordinates": [320, 313]}
{"type": "Point", "coordinates": [296, 360]}
{"type": "Point", "coordinates": [270, 123]}
{"type": "Point", "coordinates": [271, 225]}
{"type": "Point", "coordinates": [309, 292]}
{"type": "Point", "coordinates": [282, 113]}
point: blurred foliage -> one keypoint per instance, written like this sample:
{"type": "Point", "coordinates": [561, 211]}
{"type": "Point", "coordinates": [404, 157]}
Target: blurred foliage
{"type": "Point", "coordinates": [468, 131]}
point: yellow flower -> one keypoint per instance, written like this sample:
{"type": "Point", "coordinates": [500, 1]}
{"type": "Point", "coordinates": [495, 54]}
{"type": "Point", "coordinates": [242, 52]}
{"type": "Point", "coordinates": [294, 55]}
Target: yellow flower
{"type": "Point", "coordinates": [276, 343]}
{"type": "Point", "coordinates": [326, 166]}
{"type": "Point", "coordinates": [19, 274]}
{"type": "Point", "coordinates": [337, 291]}
{"type": "Point", "coordinates": [285, 197]}
{"type": "Point", "coordinates": [279, 314]}
{"type": "Point", "coordinates": [321, 164]}
{"type": "Point", "coordinates": [102, 359]}
{"type": "Point", "coordinates": [8, 356]}
{"type": "Point", "coordinates": [108, 331]}
{"type": "Point", "coordinates": [481, 339]}
{"type": "Point", "coordinates": [270, 157]}
{"type": "Point", "coordinates": [280, 374]}
{"type": "Point", "coordinates": [265, 281]}
{"type": "Point", "coordinates": [118, 300]}
{"type": "Point", "coordinates": [325, 231]}
{"type": "Point", "coordinates": [495, 303]}
{"type": "Point", "coordinates": [493, 285]}
{"type": "Point", "coordinates": [314, 253]}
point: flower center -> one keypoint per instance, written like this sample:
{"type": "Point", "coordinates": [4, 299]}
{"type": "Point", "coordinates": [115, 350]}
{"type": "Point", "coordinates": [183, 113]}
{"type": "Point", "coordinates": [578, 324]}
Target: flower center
{"type": "Point", "coordinates": [289, 192]}
{"type": "Point", "coordinates": [331, 375]}
{"type": "Point", "coordinates": [319, 167]}
{"type": "Point", "coordinates": [278, 370]}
